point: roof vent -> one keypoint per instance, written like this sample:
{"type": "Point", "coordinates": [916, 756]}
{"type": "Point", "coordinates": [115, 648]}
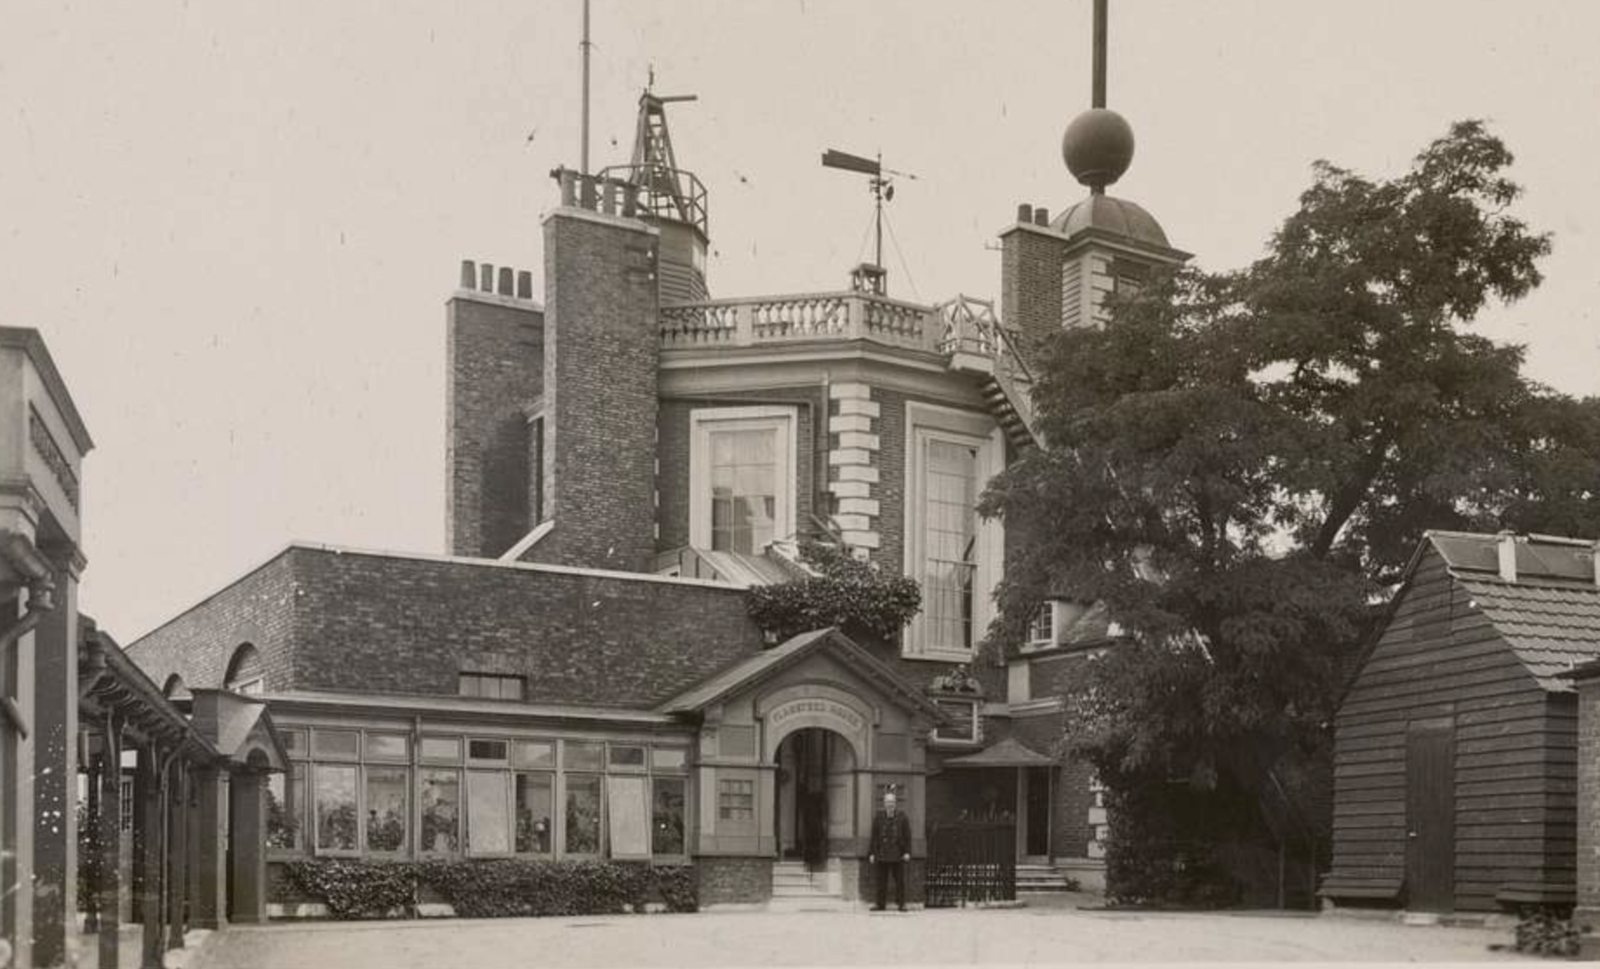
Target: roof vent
{"type": "Point", "coordinates": [1507, 547]}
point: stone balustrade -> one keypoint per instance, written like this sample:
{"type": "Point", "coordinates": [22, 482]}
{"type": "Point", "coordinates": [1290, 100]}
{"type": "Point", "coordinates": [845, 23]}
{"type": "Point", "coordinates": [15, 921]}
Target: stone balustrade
{"type": "Point", "coordinates": [808, 317]}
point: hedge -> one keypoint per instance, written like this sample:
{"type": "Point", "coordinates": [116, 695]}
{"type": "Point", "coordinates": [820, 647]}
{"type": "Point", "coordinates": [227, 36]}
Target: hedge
{"type": "Point", "coordinates": [494, 888]}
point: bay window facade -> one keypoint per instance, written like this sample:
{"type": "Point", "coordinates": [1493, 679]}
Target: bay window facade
{"type": "Point", "coordinates": [361, 791]}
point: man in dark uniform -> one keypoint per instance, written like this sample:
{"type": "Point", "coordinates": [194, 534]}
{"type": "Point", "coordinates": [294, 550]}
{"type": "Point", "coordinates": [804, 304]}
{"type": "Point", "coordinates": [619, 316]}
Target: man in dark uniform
{"type": "Point", "coordinates": [890, 850]}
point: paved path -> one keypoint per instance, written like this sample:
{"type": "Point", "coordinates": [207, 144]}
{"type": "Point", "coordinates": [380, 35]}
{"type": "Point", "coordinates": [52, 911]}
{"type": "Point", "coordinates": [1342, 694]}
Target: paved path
{"type": "Point", "coordinates": [943, 937]}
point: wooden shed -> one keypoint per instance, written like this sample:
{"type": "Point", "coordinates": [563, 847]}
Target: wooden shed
{"type": "Point", "coordinates": [1455, 769]}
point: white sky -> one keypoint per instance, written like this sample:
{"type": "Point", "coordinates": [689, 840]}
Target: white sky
{"type": "Point", "coordinates": [236, 223]}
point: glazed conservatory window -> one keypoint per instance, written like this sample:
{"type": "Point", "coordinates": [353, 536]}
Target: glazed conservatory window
{"type": "Point", "coordinates": [583, 814]}
{"type": "Point", "coordinates": [741, 471]}
{"type": "Point", "coordinates": [666, 816]}
{"type": "Point", "coordinates": [488, 826]}
{"type": "Point", "coordinates": [953, 554]}
{"type": "Point", "coordinates": [736, 800]}
{"type": "Point", "coordinates": [441, 810]}
{"type": "Point", "coordinates": [535, 813]}
{"type": "Point", "coordinates": [286, 809]}
{"type": "Point", "coordinates": [388, 808]}
{"type": "Point", "coordinates": [336, 808]}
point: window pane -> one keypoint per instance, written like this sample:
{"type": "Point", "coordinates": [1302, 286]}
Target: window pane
{"type": "Point", "coordinates": [627, 810]}
{"type": "Point", "coordinates": [583, 814]}
{"type": "Point", "coordinates": [535, 812]}
{"type": "Point", "coordinates": [344, 744]}
{"type": "Point", "coordinates": [963, 720]}
{"type": "Point", "coordinates": [950, 542]}
{"type": "Point", "coordinates": [581, 756]}
{"type": "Point", "coordinates": [533, 753]}
{"type": "Point", "coordinates": [286, 808]}
{"type": "Point", "coordinates": [628, 758]}
{"type": "Point", "coordinates": [736, 800]}
{"type": "Point", "coordinates": [441, 810]}
{"type": "Point", "coordinates": [388, 746]}
{"type": "Point", "coordinates": [743, 489]}
{"type": "Point", "coordinates": [494, 750]}
{"type": "Point", "coordinates": [668, 758]}
{"type": "Point", "coordinates": [388, 807]}
{"type": "Point", "coordinates": [666, 816]}
{"type": "Point", "coordinates": [442, 749]}
{"type": "Point", "coordinates": [336, 808]}
{"type": "Point", "coordinates": [488, 827]}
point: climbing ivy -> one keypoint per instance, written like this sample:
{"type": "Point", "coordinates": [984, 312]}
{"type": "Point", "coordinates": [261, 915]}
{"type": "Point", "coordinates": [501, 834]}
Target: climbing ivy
{"type": "Point", "coordinates": [848, 593]}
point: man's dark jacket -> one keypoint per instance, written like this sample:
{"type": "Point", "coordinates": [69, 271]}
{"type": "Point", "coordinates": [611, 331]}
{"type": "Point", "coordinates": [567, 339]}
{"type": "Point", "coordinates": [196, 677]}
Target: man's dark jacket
{"type": "Point", "coordinates": [891, 837]}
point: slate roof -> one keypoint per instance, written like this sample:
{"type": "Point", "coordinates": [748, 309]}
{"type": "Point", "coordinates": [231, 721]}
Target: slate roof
{"type": "Point", "coordinates": [1009, 752]}
{"type": "Point", "coordinates": [1549, 616]}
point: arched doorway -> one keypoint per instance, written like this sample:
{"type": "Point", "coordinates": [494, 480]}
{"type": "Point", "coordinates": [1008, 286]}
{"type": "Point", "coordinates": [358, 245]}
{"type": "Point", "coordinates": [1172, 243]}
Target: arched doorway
{"type": "Point", "coordinates": [816, 811]}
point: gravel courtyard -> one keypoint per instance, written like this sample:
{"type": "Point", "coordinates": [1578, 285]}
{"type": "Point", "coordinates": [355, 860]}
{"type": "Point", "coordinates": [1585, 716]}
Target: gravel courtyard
{"type": "Point", "coordinates": [941, 937]}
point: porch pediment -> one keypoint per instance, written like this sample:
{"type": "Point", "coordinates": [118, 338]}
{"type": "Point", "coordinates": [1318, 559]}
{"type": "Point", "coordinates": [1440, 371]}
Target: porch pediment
{"type": "Point", "coordinates": [240, 728]}
{"type": "Point", "coordinates": [767, 667]}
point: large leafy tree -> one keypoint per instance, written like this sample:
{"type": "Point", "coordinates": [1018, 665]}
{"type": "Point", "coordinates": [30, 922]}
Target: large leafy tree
{"type": "Point", "coordinates": [1239, 464]}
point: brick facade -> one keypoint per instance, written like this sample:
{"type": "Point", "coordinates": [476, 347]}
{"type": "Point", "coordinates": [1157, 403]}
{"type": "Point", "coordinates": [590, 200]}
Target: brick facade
{"type": "Point", "coordinates": [393, 624]}
{"type": "Point", "coordinates": [494, 372]}
{"type": "Point", "coordinates": [736, 880]}
{"type": "Point", "coordinates": [600, 394]}
{"type": "Point", "coordinates": [672, 483]}
{"type": "Point", "coordinates": [258, 609]}
{"type": "Point", "coordinates": [1030, 281]}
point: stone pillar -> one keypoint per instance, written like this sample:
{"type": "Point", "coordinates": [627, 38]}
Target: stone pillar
{"type": "Point", "coordinates": [55, 774]}
{"type": "Point", "coordinates": [109, 842]}
{"type": "Point", "coordinates": [177, 854]}
{"type": "Point", "coordinates": [16, 804]}
{"type": "Point", "coordinates": [148, 790]}
{"type": "Point", "coordinates": [248, 836]}
{"type": "Point", "coordinates": [211, 873]}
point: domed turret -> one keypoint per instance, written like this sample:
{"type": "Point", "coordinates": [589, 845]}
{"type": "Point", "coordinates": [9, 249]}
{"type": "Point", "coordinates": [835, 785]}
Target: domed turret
{"type": "Point", "coordinates": [1098, 148]}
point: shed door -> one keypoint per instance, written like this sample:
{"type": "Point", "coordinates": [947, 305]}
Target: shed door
{"type": "Point", "coordinates": [1430, 816]}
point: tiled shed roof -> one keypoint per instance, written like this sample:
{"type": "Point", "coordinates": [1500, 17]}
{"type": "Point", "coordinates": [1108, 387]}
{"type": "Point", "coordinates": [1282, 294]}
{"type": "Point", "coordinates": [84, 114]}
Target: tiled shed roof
{"type": "Point", "coordinates": [1550, 614]}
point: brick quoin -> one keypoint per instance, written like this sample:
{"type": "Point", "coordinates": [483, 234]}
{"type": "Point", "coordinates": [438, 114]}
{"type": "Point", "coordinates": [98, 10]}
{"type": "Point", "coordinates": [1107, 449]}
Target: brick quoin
{"type": "Point", "coordinates": [494, 371]}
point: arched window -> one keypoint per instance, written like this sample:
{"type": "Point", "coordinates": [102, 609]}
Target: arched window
{"type": "Point", "coordinates": [175, 689]}
{"type": "Point", "coordinates": [245, 672]}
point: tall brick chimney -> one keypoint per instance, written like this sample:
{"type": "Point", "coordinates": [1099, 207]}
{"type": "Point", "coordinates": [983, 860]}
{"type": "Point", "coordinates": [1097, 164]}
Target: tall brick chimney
{"type": "Point", "coordinates": [494, 373]}
{"type": "Point", "coordinates": [601, 353]}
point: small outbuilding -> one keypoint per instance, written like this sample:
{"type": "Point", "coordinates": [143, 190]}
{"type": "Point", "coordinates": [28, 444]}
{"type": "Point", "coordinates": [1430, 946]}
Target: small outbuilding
{"type": "Point", "coordinates": [1456, 762]}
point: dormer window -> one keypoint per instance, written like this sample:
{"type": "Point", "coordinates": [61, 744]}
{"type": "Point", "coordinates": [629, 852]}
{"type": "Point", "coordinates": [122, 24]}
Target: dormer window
{"type": "Point", "coordinates": [741, 478]}
{"type": "Point", "coordinates": [1042, 630]}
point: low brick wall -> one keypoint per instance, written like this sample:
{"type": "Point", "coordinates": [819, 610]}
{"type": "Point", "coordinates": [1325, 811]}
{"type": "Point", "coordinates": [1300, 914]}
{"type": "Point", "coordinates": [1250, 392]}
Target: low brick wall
{"type": "Point", "coordinates": [734, 880]}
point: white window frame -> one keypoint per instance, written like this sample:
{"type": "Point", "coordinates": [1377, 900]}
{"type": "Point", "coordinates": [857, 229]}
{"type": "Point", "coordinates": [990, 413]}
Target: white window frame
{"type": "Point", "coordinates": [927, 422]}
{"type": "Point", "coordinates": [702, 423]}
{"type": "Point", "coordinates": [977, 722]}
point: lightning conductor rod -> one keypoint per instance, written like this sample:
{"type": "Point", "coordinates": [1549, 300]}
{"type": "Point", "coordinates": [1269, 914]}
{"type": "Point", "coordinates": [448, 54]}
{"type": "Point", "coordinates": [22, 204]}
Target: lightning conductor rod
{"type": "Point", "coordinates": [877, 230]}
{"type": "Point", "coordinates": [1099, 79]}
{"type": "Point", "coordinates": [583, 157]}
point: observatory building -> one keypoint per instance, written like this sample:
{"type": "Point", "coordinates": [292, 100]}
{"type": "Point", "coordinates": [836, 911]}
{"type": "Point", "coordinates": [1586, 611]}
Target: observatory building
{"type": "Point", "coordinates": [629, 452]}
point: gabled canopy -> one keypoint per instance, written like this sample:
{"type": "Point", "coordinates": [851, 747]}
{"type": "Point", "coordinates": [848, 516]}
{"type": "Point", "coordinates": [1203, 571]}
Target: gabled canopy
{"type": "Point", "coordinates": [785, 655]}
{"type": "Point", "coordinates": [1009, 752]}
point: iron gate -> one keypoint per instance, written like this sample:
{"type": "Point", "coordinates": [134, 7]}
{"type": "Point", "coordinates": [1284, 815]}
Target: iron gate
{"type": "Point", "coordinates": [971, 861]}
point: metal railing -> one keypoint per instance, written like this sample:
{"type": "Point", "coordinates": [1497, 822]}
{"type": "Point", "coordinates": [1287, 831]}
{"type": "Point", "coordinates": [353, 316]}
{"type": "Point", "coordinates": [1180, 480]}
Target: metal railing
{"type": "Point", "coordinates": [971, 861]}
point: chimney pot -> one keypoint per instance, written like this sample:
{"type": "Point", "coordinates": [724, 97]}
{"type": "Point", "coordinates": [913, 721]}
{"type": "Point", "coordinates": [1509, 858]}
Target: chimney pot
{"type": "Point", "coordinates": [525, 284]}
{"type": "Point", "coordinates": [469, 274]}
{"type": "Point", "coordinates": [1041, 215]}
{"type": "Point", "coordinates": [486, 278]}
{"type": "Point", "coordinates": [1024, 213]}
{"type": "Point", "coordinates": [1507, 550]}
{"type": "Point", "coordinates": [505, 280]}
